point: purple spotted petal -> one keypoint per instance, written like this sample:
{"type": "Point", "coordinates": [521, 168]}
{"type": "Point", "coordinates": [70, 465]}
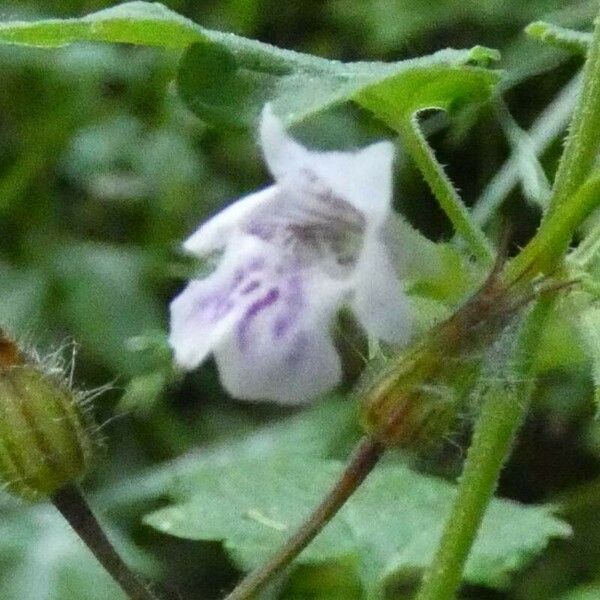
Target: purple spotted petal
{"type": "Point", "coordinates": [281, 348]}
{"type": "Point", "coordinates": [294, 253]}
{"type": "Point", "coordinates": [209, 309]}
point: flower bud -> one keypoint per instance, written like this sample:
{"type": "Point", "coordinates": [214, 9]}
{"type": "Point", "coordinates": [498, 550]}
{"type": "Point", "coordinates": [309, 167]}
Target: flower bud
{"type": "Point", "coordinates": [45, 433]}
{"type": "Point", "coordinates": [416, 398]}
{"type": "Point", "coordinates": [406, 407]}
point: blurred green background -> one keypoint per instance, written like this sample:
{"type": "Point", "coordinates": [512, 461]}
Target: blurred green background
{"type": "Point", "coordinates": [103, 172]}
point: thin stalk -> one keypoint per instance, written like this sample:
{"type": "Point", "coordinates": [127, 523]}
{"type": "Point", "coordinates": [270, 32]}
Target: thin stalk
{"type": "Point", "coordinates": [497, 425]}
{"type": "Point", "coordinates": [73, 506]}
{"type": "Point", "coordinates": [362, 462]}
{"type": "Point", "coordinates": [546, 128]}
{"type": "Point", "coordinates": [583, 142]}
{"type": "Point", "coordinates": [416, 145]}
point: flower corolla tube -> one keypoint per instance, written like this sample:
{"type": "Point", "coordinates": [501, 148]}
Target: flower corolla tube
{"type": "Point", "coordinates": [292, 255]}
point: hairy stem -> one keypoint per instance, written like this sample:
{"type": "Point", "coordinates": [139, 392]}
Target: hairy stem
{"type": "Point", "coordinates": [416, 145]}
{"type": "Point", "coordinates": [498, 422]}
{"type": "Point", "coordinates": [547, 248]}
{"type": "Point", "coordinates": [365, 457]}
{"type": "Point", "coordinates": [495, 431]}
{"type": "Point", "coordinates": [71, 503]}
{"type": "Point", "coordinates": [583, 141]}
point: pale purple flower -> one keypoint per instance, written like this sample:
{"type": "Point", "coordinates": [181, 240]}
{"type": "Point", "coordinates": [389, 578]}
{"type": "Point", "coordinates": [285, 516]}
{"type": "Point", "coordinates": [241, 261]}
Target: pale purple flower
{"type": "Point", "coordinates": [292, 255]}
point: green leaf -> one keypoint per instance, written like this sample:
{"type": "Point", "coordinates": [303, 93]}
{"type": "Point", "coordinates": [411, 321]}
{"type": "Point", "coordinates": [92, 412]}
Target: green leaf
{"type": "Point", "coordinates": [576, 42]}
{"type": "Point", "coordinates": [146, 23]}
{"type": "Point", "coordinates": [390, 526]}
{"type": "Point", "coordinates": [43, 558]}
{"type": "Point", "coordinates": [143, 392]}
{"type": "Point", "coordinates": [326, 429]}
{"type": "Point", "coordinates": [227, 79]}
{"type": "Point", "coordinates": [445, 80]}
{"type": "Point", "coordinates": [106, 302]}
{"type": "Point", "coordinates": [22, 296]}
{"type": "Point", "coordinates": [324, 581]}
{"type": "Point", "coordinates": [434, 271]}
{"type": "Point", "coordinates": [225, 86]}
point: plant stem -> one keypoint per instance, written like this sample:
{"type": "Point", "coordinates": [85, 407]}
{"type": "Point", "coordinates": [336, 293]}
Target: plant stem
{"type": "Point", "coordinates": [588, 248]}
{"type": "Point", "coordinates": [547, 248]}
{"type": "Point", "coordinates": [365, 457]}
{"type": "Point", "coordinates": [73, 506]}
{"type": "Point", "coordinates": [416, 145]}
{"type": "Point", "coordinates": [499, 421]}
{"type": "Point", "coordinates": [583, 141]}
{"type": "Point", "coordinates": [495, 431]}
{"type": "Point", "coordinates": [550, 123]}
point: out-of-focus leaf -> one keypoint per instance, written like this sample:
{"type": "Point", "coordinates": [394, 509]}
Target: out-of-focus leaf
{"type": "Point", "coordinates": [44, 559]}
{"type": "Point", "coordinates": [391, 525]}
{"type": "Point", "coordinates": [587, 592]}
{"type": "Point", "coordinates": [324, 581]}
{"type": "Point", "coordinates": [106, 302]}
{"type": "Point", "coordinates": [22, 296]}
{"type": "Point", "coordinates": [392, 24]}
{"type": "Point", "coordinates": [143, 392]}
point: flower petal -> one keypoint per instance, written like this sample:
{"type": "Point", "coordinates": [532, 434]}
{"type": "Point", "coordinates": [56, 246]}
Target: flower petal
{"type": "Point", "coordinates": [283, 154]}
{"type": "Point", "coordinates": [208, 309]}
{"type": "Point", "coordinates": [380, 303]}
{"type": "Point", "coordinates": [282, 349]}
{"type": "Point", "coordinates": [217, 231]}
{"type": "Point", "coordinates": [363, 178]}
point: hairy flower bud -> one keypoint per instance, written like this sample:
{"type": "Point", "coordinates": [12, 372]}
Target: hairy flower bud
{"type": "Point", "coordinates": [46, 438]}
{"type": "Point", "coordinates": [415, 399]}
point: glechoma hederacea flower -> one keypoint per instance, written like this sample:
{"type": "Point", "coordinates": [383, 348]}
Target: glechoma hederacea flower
{"type": "Point", "coordinates": [292, 255]}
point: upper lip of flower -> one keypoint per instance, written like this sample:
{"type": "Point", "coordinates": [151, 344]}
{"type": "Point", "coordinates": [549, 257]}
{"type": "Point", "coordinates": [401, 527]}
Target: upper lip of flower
{"type": "Point", "coordinates": [292, 254]}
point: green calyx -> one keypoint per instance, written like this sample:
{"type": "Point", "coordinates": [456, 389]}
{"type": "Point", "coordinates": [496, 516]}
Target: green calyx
{"type": "Point", "coordinates": [46, 437]}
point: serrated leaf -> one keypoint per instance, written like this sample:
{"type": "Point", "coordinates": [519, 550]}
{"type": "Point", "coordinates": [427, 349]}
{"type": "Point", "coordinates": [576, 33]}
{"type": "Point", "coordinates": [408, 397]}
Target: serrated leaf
{"type": "Point", "coordinates": [327, 428]}
{"type": "Point", "coordinates": [227, 79]}
{"type": "Point", "coordinates": [391, 525]}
